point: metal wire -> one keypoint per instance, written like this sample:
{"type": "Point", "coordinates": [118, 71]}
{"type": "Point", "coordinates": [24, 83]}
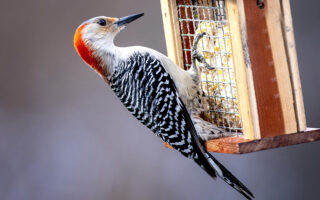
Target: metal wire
{"type": "Point", "coordinates": [219, 85]}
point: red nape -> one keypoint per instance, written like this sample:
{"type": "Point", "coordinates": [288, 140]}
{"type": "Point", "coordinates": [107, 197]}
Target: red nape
{"type": "Point", "coordinates": [84, 51]}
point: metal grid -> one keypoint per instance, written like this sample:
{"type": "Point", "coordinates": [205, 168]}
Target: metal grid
{"type": "Point", "coordinates": [196, 16]}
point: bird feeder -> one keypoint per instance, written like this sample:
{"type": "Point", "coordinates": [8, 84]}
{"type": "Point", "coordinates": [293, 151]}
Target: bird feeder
{"type": "Point", "coordinates": [254, 86]}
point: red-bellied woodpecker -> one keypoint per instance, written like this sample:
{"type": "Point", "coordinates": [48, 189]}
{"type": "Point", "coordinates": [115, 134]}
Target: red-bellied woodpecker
{"type": "Point", "coordinates": [162, 96]}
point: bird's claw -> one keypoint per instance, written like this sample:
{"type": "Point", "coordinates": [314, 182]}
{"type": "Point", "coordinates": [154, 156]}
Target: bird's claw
{"type": "Point", "coordinates": [196, 55]}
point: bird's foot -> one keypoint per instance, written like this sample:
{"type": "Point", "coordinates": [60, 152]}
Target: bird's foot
{"type": "Point", "coordinates": [196, 55]}
{"type": "Point", "coordinates": [206, 130]}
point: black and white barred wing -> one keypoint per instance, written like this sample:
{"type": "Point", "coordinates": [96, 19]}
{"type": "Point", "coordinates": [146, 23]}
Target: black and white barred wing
{"type": "Point", "coordinates": [148, 92]}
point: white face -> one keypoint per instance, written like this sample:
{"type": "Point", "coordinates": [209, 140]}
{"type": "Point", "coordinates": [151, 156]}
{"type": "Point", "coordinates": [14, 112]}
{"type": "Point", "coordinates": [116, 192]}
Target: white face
{"type": "Point", "coordinates": [93, 40]}
{"type": "Point", "coordinates": [100, 28]}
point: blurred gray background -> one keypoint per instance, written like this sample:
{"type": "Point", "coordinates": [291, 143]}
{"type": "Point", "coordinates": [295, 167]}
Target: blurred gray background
{"type": "Point", "coordinates": [64, 135]}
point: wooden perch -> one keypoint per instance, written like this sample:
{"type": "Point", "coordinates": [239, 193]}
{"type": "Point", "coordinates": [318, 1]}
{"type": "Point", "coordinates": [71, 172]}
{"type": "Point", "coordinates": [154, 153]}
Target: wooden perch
{"type": "Point", "coordinates": [238, 145]}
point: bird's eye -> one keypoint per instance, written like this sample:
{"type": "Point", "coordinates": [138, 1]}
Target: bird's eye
{"type": "Point", "coordinates": [101, 22]}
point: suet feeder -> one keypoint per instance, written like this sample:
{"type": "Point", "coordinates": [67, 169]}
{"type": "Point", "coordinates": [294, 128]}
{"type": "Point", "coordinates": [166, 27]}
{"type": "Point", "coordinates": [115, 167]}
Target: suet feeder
{"type": "Point", "coordinates": [254, 86]}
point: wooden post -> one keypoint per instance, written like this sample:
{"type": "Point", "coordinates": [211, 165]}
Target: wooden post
{"type": "Point", "coordinates": [287, 29]}
{"type": "Point", "coordinates": [242, 69]}
{"type": "Point", "coordinates": [172, 31]}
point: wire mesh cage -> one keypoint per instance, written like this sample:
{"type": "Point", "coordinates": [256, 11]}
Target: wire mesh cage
{"type": "Point", "coordinates": [218, 83]}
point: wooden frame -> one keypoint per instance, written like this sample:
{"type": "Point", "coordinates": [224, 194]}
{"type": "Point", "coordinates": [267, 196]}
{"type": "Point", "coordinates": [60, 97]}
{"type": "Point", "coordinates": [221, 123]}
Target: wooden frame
{"type": "Point", "coordinates": [265, 60]}
{"type": "Point", "coordinates": [243, 71]}
{"type": "Point", "coordinates": [172, 31]}
{"type": "Point", "coordinates": [287, 29]}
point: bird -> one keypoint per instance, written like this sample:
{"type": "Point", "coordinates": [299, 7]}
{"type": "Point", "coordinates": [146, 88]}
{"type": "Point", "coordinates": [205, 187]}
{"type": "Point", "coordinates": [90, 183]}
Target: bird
{"type": "Point", "coordinates": [162, 96]}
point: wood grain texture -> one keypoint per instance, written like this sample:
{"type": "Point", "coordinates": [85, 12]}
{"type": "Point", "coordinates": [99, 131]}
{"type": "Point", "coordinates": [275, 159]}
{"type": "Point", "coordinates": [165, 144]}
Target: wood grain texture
{"type": "Point", "coordinates": [249, 73]}
{"type": "Point", "coordinates": [172, 31]}
{"type": "Point", "coordinates": [242, 72]}
{"type": "Point", "coordinates": [271, 119]}
{"type": "Point", "coordinates": [288, 32]}
{"type": "Point", "coordinates": [228, 145]}
{"type": "Point", "coordinates": [274, 17]}
{"type": "Point", "coordinates": [236, 145]}
{"type": "Point", "coordinates": [310, 135]}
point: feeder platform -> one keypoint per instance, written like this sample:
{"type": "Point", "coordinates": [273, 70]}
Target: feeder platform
{"type": "Point", "coordinates": [238, 145]}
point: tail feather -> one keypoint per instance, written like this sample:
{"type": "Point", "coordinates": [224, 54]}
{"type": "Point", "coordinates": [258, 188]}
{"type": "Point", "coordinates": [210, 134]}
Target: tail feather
{"type": "Point", "coordinates": [208, 162]}
{"type": "Point", "coordinates": [229, 178]}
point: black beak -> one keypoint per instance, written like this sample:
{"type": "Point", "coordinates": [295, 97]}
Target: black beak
{"type": "Point", "coordinates": [128, 19]}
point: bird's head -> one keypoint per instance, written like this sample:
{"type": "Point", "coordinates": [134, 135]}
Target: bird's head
{"type": "Point", "coordinates": [95, 36]}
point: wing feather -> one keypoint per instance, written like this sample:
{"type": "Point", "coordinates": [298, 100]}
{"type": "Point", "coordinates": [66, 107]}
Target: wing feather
{"type": "Point", "coordinates": [149, 93]}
